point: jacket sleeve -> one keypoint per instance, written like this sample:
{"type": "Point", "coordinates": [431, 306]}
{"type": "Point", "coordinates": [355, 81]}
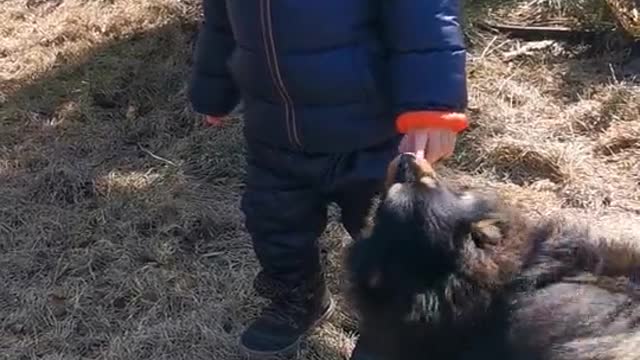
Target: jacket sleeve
{"type": "Point", "coordinates": [427, 55]}
{"type": "Point", "coordinates": [212, 90]}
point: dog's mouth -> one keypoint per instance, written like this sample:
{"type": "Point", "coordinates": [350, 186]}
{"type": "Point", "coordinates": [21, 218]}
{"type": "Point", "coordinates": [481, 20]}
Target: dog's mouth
{"type": "Point", "coordinates": [406, 168]}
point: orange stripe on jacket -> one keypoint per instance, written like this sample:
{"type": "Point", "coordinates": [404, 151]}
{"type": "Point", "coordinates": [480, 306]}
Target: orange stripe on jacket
{"type": "Point", "coordinates": [408, 121]}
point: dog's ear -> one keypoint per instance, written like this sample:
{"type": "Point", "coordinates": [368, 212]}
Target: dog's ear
{"type": "Point", "coordinates": [473, 206]}
{"type": "Point", "coordinates": [361, 264]}
{"type": "Point", "coordinates": [482, 218]}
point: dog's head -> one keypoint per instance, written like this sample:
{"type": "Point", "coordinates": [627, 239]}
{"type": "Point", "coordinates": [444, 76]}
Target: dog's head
{"type": "Point", "coordinates": [420, 229]}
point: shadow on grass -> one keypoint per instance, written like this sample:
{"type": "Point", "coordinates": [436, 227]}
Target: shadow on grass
{"type": "Point", "coordinates": [120, 234]}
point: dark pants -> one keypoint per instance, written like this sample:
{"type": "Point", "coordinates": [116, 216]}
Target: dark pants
{"type": "Point", "coordinates": [287, 196]}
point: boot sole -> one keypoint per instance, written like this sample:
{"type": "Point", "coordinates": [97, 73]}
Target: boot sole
{"type": "Point", "coordinates": [291, 349]}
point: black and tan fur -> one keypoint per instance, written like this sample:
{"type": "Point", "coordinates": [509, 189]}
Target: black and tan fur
{"type": "Point", "coordinates": [446, 275]}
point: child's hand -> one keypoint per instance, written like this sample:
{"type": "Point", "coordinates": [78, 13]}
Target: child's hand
{"type": "Point", "coordinates": [430, 144]}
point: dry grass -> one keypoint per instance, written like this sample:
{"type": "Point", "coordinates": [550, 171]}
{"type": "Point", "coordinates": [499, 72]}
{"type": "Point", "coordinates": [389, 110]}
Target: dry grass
{"type": "Point", "coordinates": [586, 14]}
{"type": "Point", "coordinates": [627, 15]}
{"type": "Point", "coordinates": [120, 234]}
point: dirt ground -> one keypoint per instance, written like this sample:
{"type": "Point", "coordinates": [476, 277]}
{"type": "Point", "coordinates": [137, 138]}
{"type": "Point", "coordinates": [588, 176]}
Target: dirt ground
{"type": "Point", "coordinates": [120, 233]}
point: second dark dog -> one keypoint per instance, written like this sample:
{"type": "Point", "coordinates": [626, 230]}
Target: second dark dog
{"type": "Point", "coordinates": [446, 275]}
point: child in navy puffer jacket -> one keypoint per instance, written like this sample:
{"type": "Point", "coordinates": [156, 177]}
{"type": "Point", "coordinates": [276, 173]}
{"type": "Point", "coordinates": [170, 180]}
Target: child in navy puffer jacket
{"type": "Point", "coordinates": [332, 90]}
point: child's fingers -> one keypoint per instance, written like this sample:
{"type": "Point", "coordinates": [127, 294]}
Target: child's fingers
{"type": "Point", "coordinates": [449, 143]}
{"type": "Point", "coordinates": [404, 144]}
{"type": "Point", "coordinates": [452, 145]}
{"type": "Point", "coordinates": [432, 145]}
{"type": "Point", "coordinates": [421, 137]}
{"type": "Point", "coordinates": [408, 144]}
{"type": "Point", "coordinates": [434, 148]}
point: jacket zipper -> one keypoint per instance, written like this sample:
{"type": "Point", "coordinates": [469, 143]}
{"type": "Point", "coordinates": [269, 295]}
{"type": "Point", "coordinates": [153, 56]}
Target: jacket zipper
{"type": "Point", "coordinates": [274, 69]}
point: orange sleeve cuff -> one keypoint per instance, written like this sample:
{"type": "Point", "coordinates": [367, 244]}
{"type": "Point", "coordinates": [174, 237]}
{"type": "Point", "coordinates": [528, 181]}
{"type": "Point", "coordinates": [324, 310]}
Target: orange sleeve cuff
{"type": "Point", "coordinates": [408, 121]}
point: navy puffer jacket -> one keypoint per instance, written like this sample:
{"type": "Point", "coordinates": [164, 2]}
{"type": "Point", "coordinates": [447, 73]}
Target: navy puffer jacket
{"type": "Point", "coordinates": [325, 76]}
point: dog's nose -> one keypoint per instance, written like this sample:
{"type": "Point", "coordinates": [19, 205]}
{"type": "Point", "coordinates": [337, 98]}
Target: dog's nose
{"type": "Point", "coordinates": [406, 172]}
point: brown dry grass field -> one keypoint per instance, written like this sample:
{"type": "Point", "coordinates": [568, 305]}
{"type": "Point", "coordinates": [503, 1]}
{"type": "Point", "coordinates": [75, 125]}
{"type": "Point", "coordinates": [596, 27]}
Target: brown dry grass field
{"type": "Point", "coordinates": [120, 234]}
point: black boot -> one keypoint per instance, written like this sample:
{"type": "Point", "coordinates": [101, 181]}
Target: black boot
{"type": "Point", "coordinates": [292, 314]}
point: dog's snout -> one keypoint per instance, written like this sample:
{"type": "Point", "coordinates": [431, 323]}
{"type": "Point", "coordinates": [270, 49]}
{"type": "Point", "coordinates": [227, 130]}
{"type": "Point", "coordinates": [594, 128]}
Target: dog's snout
{"type": "Point", "coordinates": [406, 168]}
{"type": "Point", "coordinates": [406, 172]}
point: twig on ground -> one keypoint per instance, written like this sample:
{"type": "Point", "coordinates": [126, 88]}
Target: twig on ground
{"type": "Point", "coordinates": [542, 32]}
{"type": "Point", "coordinates": [159, 158]}
{"type": "Point", "coordinates": [528, 48]}
{"type": "Point", "coordinates": [488, 48]}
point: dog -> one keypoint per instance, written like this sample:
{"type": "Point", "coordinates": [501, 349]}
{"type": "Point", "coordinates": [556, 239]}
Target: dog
{"type": "Point", "coordinates": [445, 274]}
